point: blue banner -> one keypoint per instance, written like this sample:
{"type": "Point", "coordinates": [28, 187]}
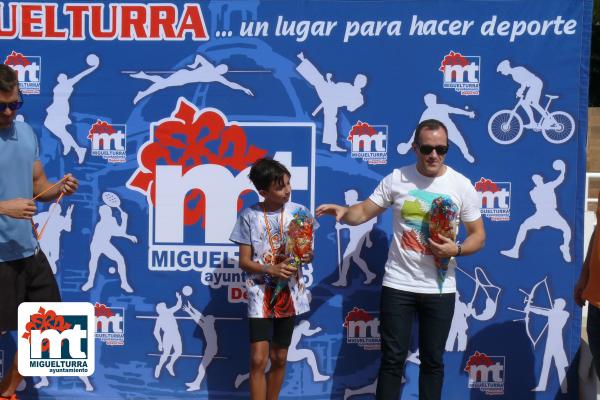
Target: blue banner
{"type": "Point", "coordinates": [159, 109]}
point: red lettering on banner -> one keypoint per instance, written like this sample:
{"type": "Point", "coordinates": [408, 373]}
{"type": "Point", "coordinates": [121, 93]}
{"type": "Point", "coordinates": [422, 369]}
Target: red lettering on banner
{"type": "Point", "coordinates": [77, 12]}
{"type": "Point", "coordinates": [193, 21]}
{"type": "Point", "coordinates": [52, 31]}
{"type": "Point", "coordinates": [162, 22]}
{"type": "Point", "coordinates": [97, 30]}
{"type": "Point", "coordinates": [133, 17]}
{"type": "Point", "coordinates": [126, 21]}
{"type": "Point", "coordinates": [237, 294]}
{"type": "Point", "coordinates": [31, 21]}
{"type": "Point", "coordinates": [11, 32]}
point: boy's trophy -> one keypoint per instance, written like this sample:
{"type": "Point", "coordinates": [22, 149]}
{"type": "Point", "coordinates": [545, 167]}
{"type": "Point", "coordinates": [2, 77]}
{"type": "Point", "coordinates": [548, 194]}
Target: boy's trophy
{"type": "Point", "coordinates": [298, 243]}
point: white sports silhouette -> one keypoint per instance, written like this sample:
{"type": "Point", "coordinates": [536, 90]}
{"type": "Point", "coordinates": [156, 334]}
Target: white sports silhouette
{"type": "Point", "coordinates": [207, 324]}
{"type": "Point", "coordinates": [57, 118]}
{"type": "Point", "coordinates": [56, 223]}
{"type": "Point", "coordinates": [546, 213]}
{"type": "Point", "coordinates": [199, 71]}
{"type": "Point", "coordinates": [462, 311]}
{"type": "Point", "coordinates": [530, 89]}
{"type": "Point", "coordinates": [442, 112]}
{"type": "Point", "coordinates": [333, 96]}
{"type": "Point", "coordinates": [107, 228]}
{"type": "Point", "coordinates": [166, 332]}
{"type": "Point", "coordinates": [458, 329]}
{"type": "Point", "coordinates": [554, 350]}
{"type": "Point", "coordinates": [359, 236]}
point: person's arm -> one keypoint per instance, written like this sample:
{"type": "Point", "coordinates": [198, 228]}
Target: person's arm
{"type": "Point", "coordinates": [198, 60]}
{"type": "Point", "coordinates": [460, 111]}
{"type": "Point", "coordinates": [539, 310]}
{"type": "Point", "coordinates": [177, 306]}
{"type": "Point", "coordinates": [584, 275]}
{"type": "Point", "coordinates": [281, 270]}
{"type": "Point", "coordinates": [83, 73]}
{"type": "Point", "coordinates": [561, 176]}
{"type": "Point", "coordinates": [40, 184]}
{"type": "Point", "coordinates": [235, 86]}
{"type": "Point", "coordinates": [156, 333]}
{"type": "Point", "coordinates": [18, 208]}
{"type": "Point", "coordinates": [474, 241]}
{"type": "Point", "coordinates": [353, 215]}
{"type": "Point", "coordinates": [310, 332]}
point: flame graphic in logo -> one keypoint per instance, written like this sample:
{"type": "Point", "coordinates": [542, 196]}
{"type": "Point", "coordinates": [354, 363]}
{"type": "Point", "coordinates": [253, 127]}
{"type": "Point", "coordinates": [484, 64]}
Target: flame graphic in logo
{"type": "Point", "coordinates": [190, 138]}
{"type": "Point", "coordinates": [15, 58]}
{"type": "Point", "coordinates": [453, 58]}
{"type": "Point", "coordinates": [101, 127]}
{"type": "Point", "coordinates": [100, 310]}
{"type": "Point", "coordinates": [42, 321]}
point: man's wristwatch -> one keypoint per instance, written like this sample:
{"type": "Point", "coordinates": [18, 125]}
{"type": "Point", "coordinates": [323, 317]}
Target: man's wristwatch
{"type": "Point", "coordinates": [458, 249]}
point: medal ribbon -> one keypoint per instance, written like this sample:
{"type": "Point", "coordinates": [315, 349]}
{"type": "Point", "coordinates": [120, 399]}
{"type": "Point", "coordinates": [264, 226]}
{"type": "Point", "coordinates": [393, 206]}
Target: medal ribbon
{"type": "Point", "coordinates": [272, 237]}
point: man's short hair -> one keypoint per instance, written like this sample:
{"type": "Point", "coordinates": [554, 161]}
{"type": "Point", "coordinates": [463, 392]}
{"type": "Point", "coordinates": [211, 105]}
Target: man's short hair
{"type": "Point", "coordinates": [265, 171]}
{"type": "Point", "coordinates": [8, 78]}
{"type": "Point", "coordinates": [431, 124]}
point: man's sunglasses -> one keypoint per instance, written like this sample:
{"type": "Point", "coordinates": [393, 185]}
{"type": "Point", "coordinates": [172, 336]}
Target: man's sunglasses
{"type": "Point", "coordinates": [13, 106]}
{"type": "Point", "coordinates": [427, 149]}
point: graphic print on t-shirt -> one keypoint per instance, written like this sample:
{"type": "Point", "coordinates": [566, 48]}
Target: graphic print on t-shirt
{"type": "Point", "coordinates": [416, 215]}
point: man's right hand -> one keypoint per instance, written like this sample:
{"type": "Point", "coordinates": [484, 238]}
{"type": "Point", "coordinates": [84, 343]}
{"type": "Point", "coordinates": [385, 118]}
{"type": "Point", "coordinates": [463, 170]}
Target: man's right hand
{"type": "Point", "coordinates": [18, 208]}
{"type": "Point", "coordinates": [331, 209]}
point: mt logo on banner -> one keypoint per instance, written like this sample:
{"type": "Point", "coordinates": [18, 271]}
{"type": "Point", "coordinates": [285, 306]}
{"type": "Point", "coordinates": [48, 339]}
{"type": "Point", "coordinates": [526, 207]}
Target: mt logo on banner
{"type": "Point", "coordinates": [461, 73]}
{"type": "Point", "coordinates": [28, 69]}
{"type": "Point", "coordinates": [194, 173]}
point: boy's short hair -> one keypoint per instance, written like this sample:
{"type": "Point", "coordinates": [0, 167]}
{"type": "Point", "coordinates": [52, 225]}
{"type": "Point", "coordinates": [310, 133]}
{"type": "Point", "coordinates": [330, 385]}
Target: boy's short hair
{"type": "Point", "coordinates": [8, 78]}
{"type": "Point", "coordinates": [265, 171]}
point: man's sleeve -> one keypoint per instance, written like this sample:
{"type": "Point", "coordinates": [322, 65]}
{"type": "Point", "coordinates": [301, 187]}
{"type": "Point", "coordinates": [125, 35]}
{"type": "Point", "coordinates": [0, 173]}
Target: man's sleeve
{"type": "Point", "coordinates": [471, 209]}
{"type": "Point", "coordinates": [382, 196]}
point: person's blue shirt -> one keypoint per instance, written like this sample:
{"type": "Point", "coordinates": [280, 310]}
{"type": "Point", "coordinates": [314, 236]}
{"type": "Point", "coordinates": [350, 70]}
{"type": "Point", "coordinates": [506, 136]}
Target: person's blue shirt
{"type": "Point", "coordinates": [18, 152]}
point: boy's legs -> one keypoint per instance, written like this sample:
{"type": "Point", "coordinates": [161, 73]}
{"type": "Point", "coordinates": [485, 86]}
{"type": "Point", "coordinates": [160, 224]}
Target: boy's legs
{"type": "Point", "coordinates": [259, 354]}
{"type": "Point", "coordinates": [276, 374]}
{"type": "Point", "coordinates": [260, 334]}
{"type": "Point", "coordinates": [283, 328]}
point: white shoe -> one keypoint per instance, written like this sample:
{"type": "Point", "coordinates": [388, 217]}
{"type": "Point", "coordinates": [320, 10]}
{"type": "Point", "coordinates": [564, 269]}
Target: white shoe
{"type": "Point", "coordinates": [565, 252]}
{"type": "Point", "coordinates": [192, 387]}
{"type": "Point", "coordinates": [370, 278]}
{"type": "Point", "coordinates": [510, 253]}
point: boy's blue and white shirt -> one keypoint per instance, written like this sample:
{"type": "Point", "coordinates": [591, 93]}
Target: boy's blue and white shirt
{"type": "Point", "coordinates": [250, 229]}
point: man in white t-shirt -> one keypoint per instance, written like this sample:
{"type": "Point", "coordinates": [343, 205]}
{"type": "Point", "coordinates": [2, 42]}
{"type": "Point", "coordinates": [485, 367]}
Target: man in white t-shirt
{"type": "Point", "coordinates": [411, 284]}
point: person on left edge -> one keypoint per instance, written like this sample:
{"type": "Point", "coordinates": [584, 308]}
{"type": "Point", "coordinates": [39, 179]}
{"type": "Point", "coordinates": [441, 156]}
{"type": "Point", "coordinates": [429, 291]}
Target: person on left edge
{"type": "Point", "coordinates": [25, 274]}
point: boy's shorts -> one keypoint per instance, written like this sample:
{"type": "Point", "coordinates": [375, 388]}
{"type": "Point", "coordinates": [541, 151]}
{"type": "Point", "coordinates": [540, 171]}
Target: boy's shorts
{"type": "Point", "coordinates": [26, 279]}
{"type": "Point", "coordinates": [276, 330]}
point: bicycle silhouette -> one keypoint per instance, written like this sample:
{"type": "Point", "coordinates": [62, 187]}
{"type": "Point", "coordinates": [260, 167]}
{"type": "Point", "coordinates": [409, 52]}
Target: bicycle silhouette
{"type": "Point", "coordinates": [506, 126]}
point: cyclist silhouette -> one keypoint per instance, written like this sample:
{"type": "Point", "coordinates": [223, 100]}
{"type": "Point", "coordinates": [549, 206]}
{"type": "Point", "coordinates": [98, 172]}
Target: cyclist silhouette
{"type": "Point", "coordinates": [530, 90]}
{"type": "Point", "coordinates": [506, 126]}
